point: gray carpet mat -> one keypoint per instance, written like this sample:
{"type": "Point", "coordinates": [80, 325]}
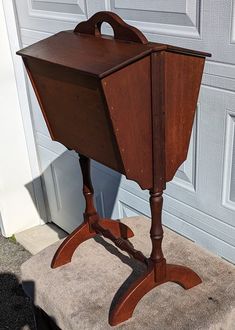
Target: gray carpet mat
{"type": "Point", "coordinates": [78, 295]}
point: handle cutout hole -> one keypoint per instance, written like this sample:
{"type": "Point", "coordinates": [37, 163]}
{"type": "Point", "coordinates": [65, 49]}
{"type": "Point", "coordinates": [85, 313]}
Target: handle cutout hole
{"type": "Point", "coordinates": [106, 29]}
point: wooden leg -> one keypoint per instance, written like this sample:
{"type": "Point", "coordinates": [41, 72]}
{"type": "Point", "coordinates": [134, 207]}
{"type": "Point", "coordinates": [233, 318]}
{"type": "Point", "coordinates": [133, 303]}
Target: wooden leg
{"type": "Point", "coordinates": [116, 227]}
{"type": "Point", "coordinates": [88, 190]}
{"type": "Point", "coordinates": [157, 273]}
{"type": "Point", "coordinates": [85, 231]}
{"type": "Point", "coordinates": [66, 250]}
{"type": "Point", "coordinates": [124, 308]}
{"type": "Point", "coordinates": [183, 276]}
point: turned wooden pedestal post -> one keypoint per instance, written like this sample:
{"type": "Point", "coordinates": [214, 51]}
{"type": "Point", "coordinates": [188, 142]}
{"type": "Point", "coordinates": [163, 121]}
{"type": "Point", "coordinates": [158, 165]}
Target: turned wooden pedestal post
{"type": "Point", "coordinates": [157, 272]}
{"type": "Point", "coordinates": [88, 191]}
{"type": "Point", "coordinates": [92, 224]}
{"type": "Point", "coordinates": [156, 234]}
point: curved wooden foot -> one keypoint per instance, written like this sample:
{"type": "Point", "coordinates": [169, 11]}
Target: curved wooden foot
{"type": "Point", "coordinates": [66, 250]}
{"type": "Point", "coordinates": [183, 276]}
{"type": "Point", "coordinates": [125, 306]}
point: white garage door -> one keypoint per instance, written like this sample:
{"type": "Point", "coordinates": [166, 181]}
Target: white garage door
{"type": "Point", "coordinates": [200, 202]}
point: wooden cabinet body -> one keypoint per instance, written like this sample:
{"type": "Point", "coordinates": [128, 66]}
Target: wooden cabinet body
{"type": "Point", "coordinates": [128, 104]}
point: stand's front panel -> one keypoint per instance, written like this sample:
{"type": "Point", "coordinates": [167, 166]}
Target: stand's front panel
{"type": "Point", "coordinates": [75, 111]}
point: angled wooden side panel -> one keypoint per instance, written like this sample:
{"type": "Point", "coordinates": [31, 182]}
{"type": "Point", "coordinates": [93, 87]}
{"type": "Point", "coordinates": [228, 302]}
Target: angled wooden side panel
{"type": "Point", "coordinates": [128, 96]}
{"type": "Point", "coordinates": [183, 75]}
{"type": "Point", "coordinates": [75, 111]}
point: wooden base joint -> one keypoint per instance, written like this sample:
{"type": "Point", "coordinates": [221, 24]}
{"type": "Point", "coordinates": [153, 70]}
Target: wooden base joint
{"type": "Point", "coordinates": [159, 270]}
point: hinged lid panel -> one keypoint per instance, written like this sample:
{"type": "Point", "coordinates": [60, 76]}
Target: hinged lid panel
{"type": "Point", "coordinates": [92, 55]}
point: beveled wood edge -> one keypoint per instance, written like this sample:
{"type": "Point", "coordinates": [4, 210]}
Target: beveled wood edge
{"type": "Point", "coordinates": [185, 51]}
{"type": "Point", "coordinates": [155, 47]}
{"type": "Point", "coordinates": [97, 76]}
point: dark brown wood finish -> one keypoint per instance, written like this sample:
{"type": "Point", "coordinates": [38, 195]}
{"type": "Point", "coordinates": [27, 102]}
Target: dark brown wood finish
{"type": "Point", "coordinates": [128, 97]}
{"type": "Point", "coordinates": [93, 56]}
{"type": "Point", "coordinates": [183, 75]}
{"type": "Point", "coordinates": [158, 152]}
{"type": "Point", "coordinates": [84, 119]}
{"type": "Point", "coordinates": [88, 190]}
{"type": "Point", "coordinates": [130, 105]}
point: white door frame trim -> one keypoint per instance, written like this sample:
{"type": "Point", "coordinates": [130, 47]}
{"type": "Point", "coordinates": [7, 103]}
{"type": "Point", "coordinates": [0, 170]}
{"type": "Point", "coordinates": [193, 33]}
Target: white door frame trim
{"type": "Point", "coordinates": [17, 125]}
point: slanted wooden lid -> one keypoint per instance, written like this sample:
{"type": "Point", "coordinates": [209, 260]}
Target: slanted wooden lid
{"type": "Point", "coordinates": [92, 55]}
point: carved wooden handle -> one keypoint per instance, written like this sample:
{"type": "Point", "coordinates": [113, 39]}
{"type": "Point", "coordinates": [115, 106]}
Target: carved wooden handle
{"type": "Point", "coordinates": [122, 30]}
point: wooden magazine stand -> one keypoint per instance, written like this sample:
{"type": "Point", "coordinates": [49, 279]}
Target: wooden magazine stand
{"type": "Point", "coordinates": [128, 104]}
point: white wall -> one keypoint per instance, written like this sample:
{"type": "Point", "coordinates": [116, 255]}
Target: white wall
{"type": "Point", "coordinates": [17, 209]}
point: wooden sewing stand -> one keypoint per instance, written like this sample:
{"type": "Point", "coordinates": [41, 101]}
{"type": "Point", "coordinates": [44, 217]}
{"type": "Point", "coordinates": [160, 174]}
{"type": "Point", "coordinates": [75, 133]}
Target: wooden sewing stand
{"type": "Point", "coordinates": [130, 105]}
